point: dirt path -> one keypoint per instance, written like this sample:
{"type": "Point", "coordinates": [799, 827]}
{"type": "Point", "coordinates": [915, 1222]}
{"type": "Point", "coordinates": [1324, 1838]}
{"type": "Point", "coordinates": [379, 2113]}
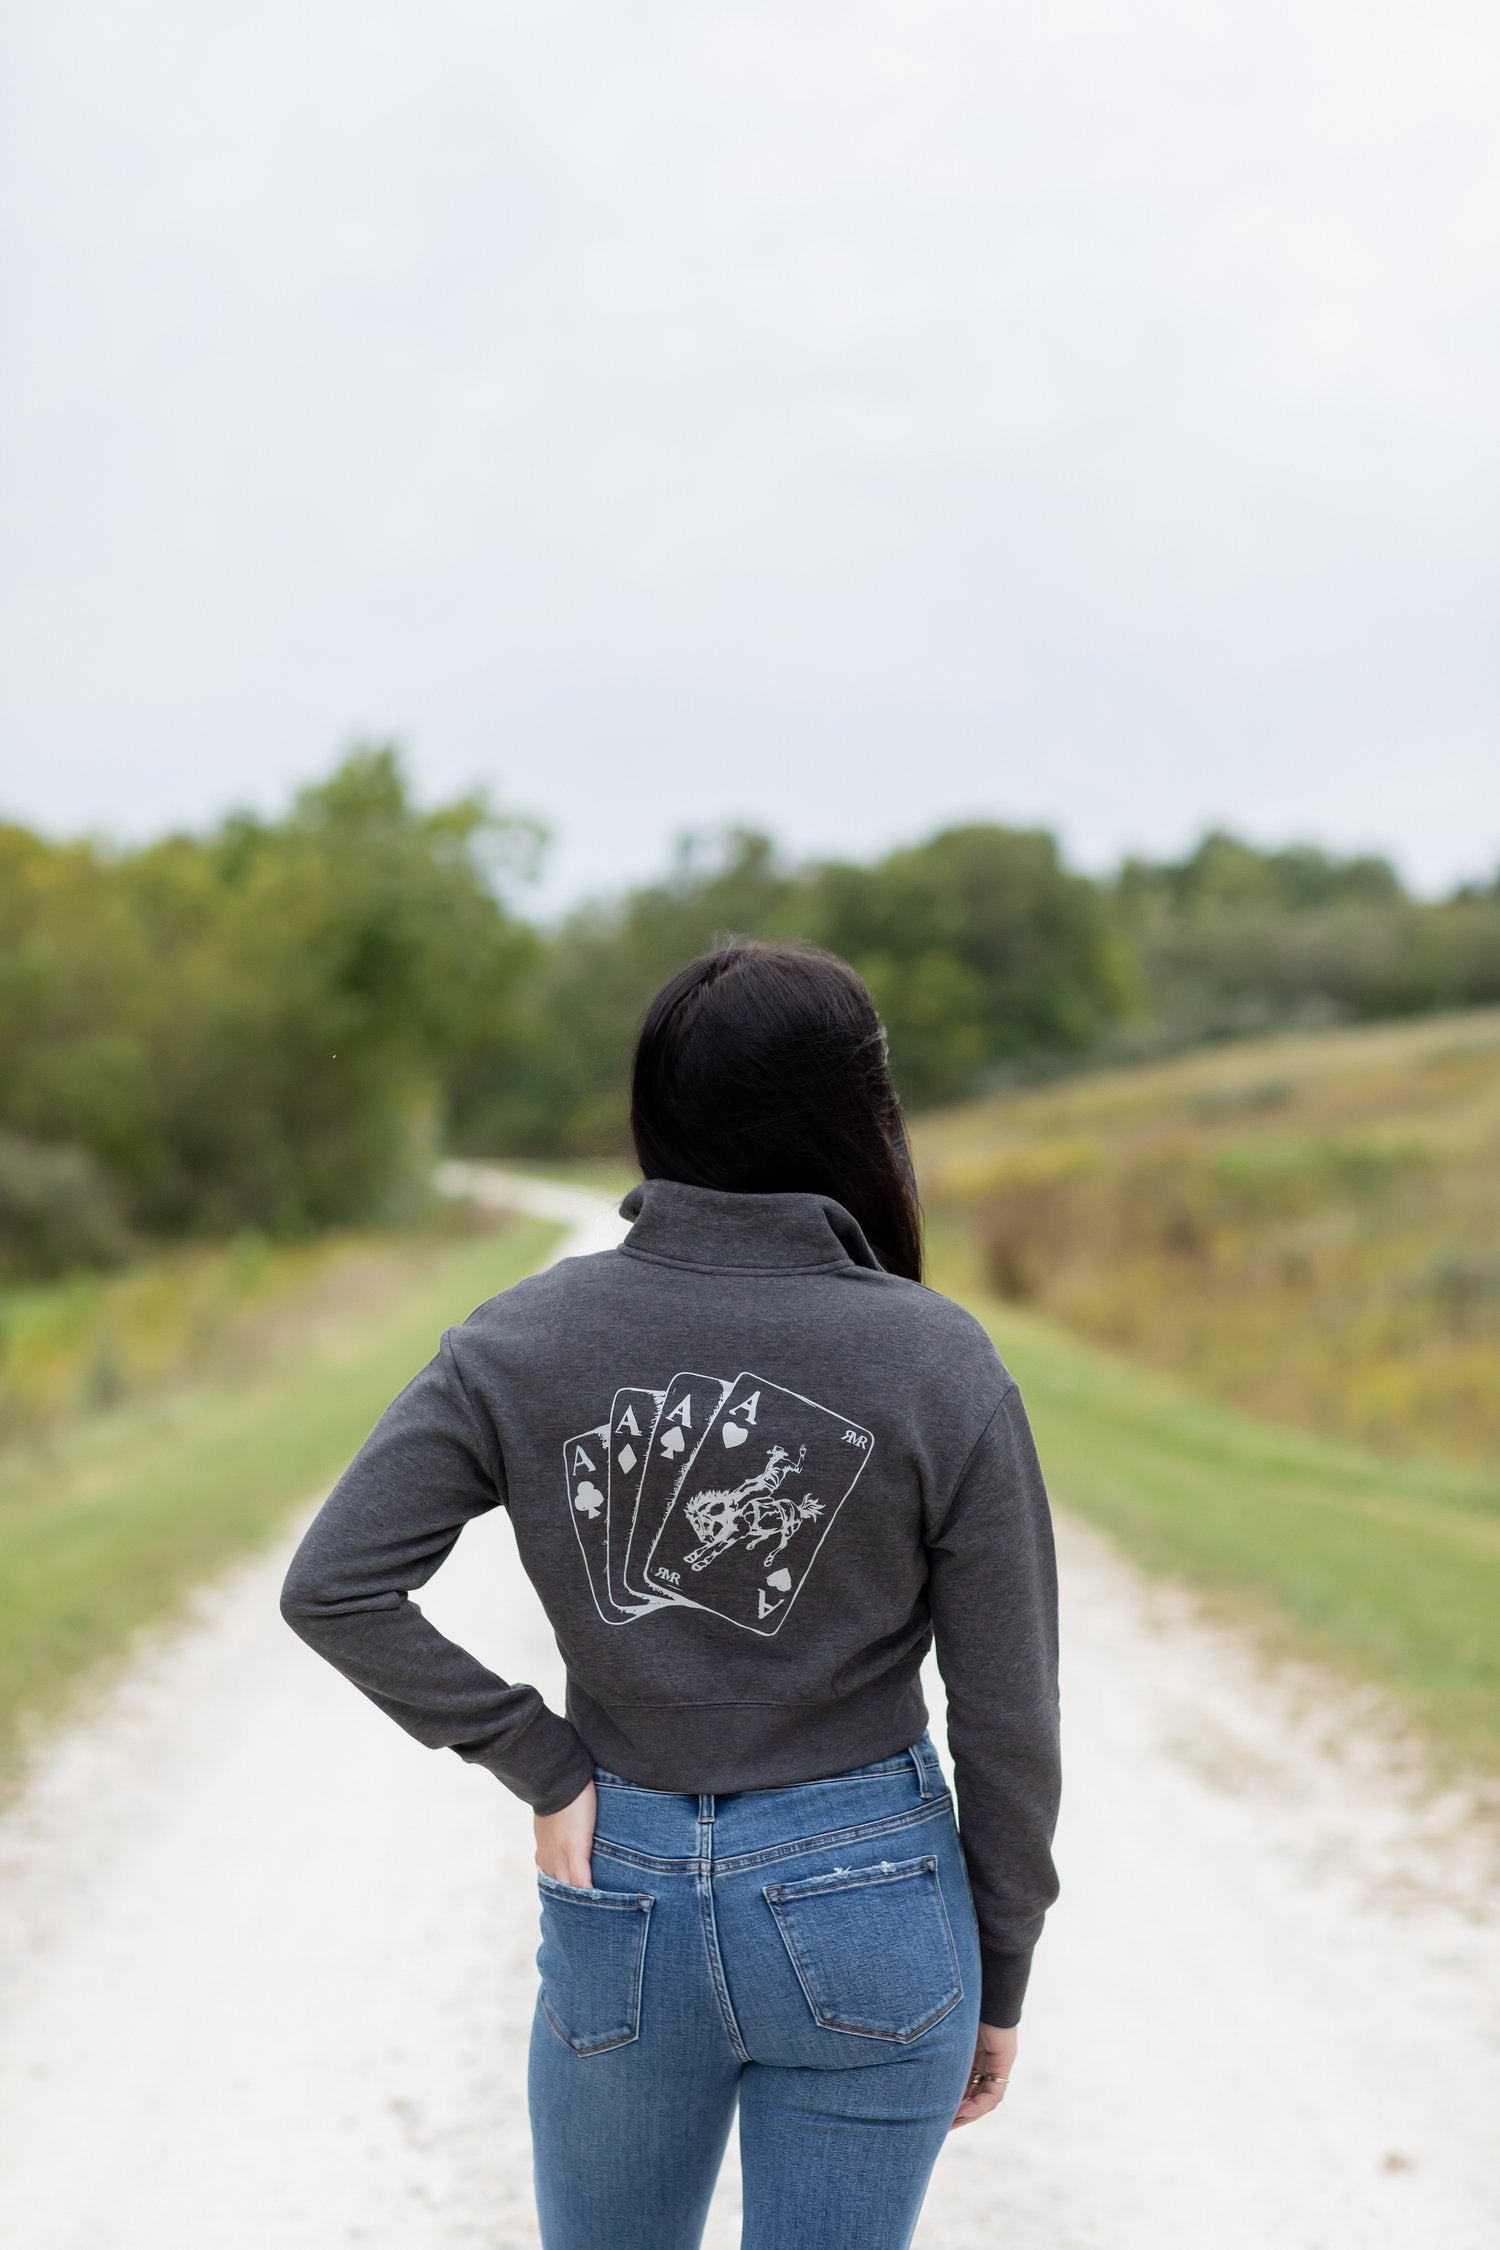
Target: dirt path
{"type": "Point", "coordinates": [266, 1967]}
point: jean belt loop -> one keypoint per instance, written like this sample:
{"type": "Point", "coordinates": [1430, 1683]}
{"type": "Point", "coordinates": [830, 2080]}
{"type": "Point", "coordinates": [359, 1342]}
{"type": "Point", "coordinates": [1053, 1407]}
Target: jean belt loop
{"type": "Point", "coordinates": [917, 1760]}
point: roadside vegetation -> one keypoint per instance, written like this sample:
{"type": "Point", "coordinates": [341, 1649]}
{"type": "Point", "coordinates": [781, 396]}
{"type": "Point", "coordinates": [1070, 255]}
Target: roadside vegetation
{"type": "Point", "coordinates": [1307, 1227]}
{"type": "Point", "coordinates": [1387, 1571]}
{"type": "Point", "coordinates": [279, 1024]}
{"type": "Point", "coordinates": [1212, 1143]}
{"type": "Point", "coordinates": [112, 1513]}
{"type": "Point", "coordinates": [1252, 1297]}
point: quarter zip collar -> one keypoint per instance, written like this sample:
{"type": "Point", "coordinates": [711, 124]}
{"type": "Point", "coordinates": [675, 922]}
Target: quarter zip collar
{"type": "Point", "coordinates": [711, 1228]}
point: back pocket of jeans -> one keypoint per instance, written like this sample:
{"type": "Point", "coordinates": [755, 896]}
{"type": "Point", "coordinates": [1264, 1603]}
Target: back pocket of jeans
{"type": "Point", "coordinates": [872, 1947]}
{"type": "Point", "coordinates": [592, 1960]}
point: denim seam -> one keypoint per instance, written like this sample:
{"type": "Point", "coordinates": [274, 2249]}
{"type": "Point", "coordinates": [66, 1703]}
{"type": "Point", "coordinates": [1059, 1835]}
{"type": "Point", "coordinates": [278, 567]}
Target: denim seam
{"type": "Point", "coordinates": [736, 1862]}
{"type": "Point", "coordinates": [855, 1879]}
{"type": "Point", "coordinates": [608, 1899]}
{"type": "Point", "coordinates": [704, 1880]}
{"type": "Point", "coordinates": [890, 1825]}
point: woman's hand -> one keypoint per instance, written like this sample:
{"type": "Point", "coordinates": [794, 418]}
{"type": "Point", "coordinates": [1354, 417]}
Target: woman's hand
{"type": "Point", "coordinates": [994, 2058]}
{"type": "Point", "coordinates": [565, 1840]}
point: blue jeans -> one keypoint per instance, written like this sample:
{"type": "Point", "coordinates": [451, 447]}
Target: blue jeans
{"type": "Point", "coordinates": [809, 1953]}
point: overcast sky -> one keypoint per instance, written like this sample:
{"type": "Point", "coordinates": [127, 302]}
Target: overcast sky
{"type": "Point", "coordinates": [844, 418]}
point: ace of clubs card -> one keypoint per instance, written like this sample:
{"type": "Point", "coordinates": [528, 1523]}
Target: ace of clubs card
{"type": "Point", "coordinates": [744, 1522]}
{"type": "Point", "coordinates": [586, 1461]}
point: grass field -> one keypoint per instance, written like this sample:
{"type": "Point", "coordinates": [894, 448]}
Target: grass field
{"type": "Point", "coordinates": [1385, 1564]}
{"type": "Point", "coordinates": [112, 1518]}
{"type": "Point", "coordinates": [1305, 1227]}
{"type": "Point", "coordinates": [1389, 1571]}
{"type": "Point", "coordinates": [1252, 1297]}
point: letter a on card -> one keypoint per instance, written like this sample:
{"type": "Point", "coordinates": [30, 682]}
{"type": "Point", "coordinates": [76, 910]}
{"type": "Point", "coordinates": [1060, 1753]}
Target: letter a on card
{"type": "Point", "coordinates": [632, 1422]}
{"type": "Point", "coordinates": [586, 1467]}
{"type": "Point", "coordinates": [689, 1406]}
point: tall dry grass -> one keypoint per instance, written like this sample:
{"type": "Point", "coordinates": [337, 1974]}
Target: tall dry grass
{"type": "Point", "coordinates": [1308, 1227]}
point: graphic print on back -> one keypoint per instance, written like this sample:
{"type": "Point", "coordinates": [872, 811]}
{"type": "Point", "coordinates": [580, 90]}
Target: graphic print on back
{"type": "Point", "coordinates": [586, 1464]}
{"type": "Point", "coordinates": [686, 1411]}
{"type": "Point", "coordinates": [632, 1420]}
{"type": "Point", "coordinates": [757, 1499]}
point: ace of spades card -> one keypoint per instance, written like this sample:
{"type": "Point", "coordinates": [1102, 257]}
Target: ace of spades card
{"type": "Point", "coordinates": [687, 1409]}
{"type": "Point", "coordinates": [757, 1499]}
{"type": "Point", "coordinates": [586, 1461]}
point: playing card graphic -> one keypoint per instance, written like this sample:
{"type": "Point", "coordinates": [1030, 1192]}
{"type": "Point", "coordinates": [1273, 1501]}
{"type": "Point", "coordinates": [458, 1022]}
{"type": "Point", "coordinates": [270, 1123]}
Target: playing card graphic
{"type": "Point", "coordinates": [632, 1419]}
{"type": "Point", "coordinates": [586, 1459]}
{"type": "Point", "coordinates": [686, 1411]}
{"type": "Point", "coordinates": [741, 1527]}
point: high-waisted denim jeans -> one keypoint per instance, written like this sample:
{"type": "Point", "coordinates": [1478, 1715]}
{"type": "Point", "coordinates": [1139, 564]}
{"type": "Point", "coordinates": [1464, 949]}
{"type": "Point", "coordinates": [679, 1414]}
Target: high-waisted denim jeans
{"type": "Point", "coordinates": [807, 1952]}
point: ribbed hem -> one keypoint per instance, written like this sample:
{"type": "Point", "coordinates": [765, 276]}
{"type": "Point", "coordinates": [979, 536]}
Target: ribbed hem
{"type": "Point", "coordinates": [719, 1747]}
{"type": "Point", "coordinates": [546, 1766]}
{"type": "Point", "coordinates": [1002, 1986]}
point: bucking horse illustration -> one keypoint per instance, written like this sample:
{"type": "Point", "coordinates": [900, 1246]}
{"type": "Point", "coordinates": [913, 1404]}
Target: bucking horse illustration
{"type": "Point", "coordinates": [752, 1512]}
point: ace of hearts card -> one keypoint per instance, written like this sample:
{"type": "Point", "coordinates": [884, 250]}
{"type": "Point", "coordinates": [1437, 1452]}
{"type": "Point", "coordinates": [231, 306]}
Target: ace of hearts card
{"type": "Point", "coordinates": [739, 1528]}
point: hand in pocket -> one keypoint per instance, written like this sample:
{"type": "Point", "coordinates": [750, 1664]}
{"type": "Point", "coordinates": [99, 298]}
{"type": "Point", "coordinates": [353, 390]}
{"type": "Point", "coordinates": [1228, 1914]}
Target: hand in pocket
{"type": "Point", "coordinates": [565, 1840]}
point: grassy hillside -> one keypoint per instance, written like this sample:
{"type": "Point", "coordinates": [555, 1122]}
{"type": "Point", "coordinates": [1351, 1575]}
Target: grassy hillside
{"type": "Point", "coordinates": [1387, 1570]}
{"type": "Point", "coordinates": [115, 1514]}
{"type": "Point", "coordinates": [1306, 1227]}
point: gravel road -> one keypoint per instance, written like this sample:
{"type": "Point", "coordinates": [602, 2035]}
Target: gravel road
{"type": "Point", "coordinates": [266, 1967]}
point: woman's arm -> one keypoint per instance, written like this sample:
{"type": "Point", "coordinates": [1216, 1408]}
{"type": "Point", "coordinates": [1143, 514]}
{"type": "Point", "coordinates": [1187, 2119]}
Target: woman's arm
{"type": "Point", "coordinates": [993, 1591]}
{"type": "Point", "coordinates": [426, 1469]}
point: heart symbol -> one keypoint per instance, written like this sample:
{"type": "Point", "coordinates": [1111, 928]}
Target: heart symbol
{"type": "Point", "coordinates": [674, 1441]}
{"type": "Point", "coordinates": [781, 1580]}
{"type": "Point", "coordinates": [734, 1433]}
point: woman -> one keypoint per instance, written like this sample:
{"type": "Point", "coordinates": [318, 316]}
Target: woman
{"type": "Point", "coordinates": [754, 1468]}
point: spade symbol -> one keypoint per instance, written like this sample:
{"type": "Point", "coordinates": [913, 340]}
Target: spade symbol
{"type": "Point", "coordinates": [674, 1441]}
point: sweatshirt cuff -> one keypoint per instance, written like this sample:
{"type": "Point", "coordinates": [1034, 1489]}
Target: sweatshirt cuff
{"type": "Point", "coordinates": [547, 1767]}
{"type": "Point", "coordinates": [1002, 1987]}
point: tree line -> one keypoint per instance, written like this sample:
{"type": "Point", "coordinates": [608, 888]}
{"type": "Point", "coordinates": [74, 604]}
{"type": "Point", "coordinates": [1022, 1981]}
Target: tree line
{"type": "Point", "coordinates": [277, 1024]}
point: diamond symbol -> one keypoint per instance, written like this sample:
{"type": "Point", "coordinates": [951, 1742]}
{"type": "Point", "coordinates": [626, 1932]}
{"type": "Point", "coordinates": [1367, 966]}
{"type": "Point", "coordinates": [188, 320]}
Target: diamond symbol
{"type": "Point", "coordinates": [627, 1459]}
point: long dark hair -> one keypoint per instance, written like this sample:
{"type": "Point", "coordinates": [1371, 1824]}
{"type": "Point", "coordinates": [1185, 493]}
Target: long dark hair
{"type": "Point", "coordinates": [761, 1068]}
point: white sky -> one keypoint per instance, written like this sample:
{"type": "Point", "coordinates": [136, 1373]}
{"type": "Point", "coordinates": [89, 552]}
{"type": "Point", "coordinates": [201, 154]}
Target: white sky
{"type": "Point", "coordinates": [844, 418]}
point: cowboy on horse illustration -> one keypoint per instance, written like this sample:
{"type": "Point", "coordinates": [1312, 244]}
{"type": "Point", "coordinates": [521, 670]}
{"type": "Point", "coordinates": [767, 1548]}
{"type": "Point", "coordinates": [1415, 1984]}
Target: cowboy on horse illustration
{"type": "Point", "coordinates": [753, 1512]}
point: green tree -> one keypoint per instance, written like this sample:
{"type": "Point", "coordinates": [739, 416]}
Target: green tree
{"type": "Point", "coordinates": [561, 1084]}
{"type": "Point", "coordinates": [980, 947]}
{"type": "Point", "coordinates": [258, 1026]}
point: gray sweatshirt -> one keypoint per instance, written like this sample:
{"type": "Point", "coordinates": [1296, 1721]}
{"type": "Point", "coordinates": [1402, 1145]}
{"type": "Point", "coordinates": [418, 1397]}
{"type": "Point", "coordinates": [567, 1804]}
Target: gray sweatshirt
{"type": "Point", "coordinates": [752, 1476]}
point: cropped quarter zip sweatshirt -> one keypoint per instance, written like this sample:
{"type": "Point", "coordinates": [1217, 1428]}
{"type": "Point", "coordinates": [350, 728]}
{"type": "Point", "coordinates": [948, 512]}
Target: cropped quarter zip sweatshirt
{"type": "Point", "coordinates": [752, 1476]}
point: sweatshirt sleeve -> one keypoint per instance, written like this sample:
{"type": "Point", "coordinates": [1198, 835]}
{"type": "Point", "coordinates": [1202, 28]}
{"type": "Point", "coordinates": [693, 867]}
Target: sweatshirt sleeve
{"type": "Point", "coordinates": [993, 1590]}
{"type": "Point", "coordinates": [425, 1470]}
